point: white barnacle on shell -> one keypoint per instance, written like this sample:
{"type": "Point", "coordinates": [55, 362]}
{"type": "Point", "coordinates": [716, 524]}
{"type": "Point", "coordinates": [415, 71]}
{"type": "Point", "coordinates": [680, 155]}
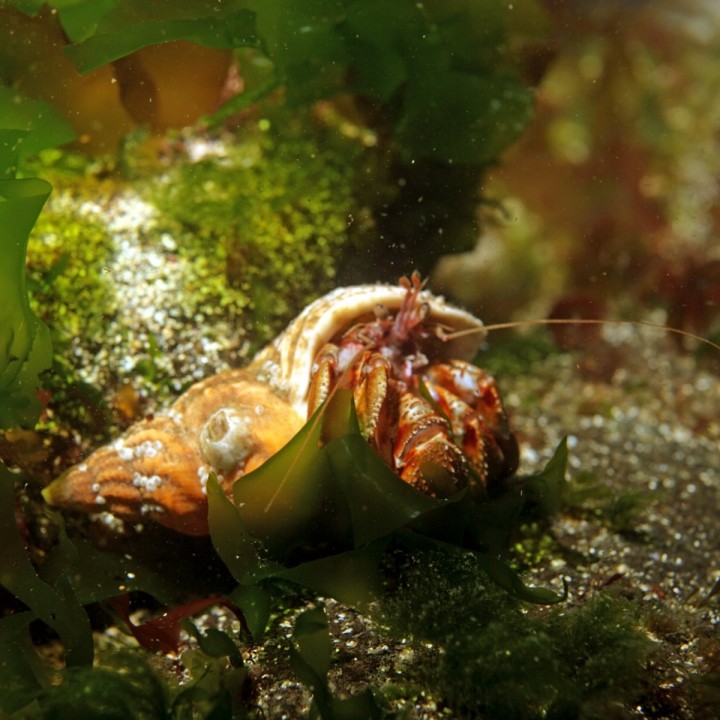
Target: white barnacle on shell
{"type": "Point", "coordinates": [99, 499]}
{"type": "Point", "coordinates": [203, 475]}
{"type": "Point", "coordinates": [146, 483]}
{"type": "Point", "coordinates": [150, 508]}
{"type": "Point", "coordinates": [124, 453]}
{"type": "Point", "coordinates": [226, 439]}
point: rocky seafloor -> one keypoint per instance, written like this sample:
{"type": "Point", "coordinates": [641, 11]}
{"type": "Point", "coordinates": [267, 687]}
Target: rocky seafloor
{"type": "Point", "coordinates": [639, 524]}
{"type": "Point", "coordinates": [642, 513]}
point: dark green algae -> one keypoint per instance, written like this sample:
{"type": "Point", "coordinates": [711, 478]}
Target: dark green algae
{"type": "Point", "coordinates": [495, 659]}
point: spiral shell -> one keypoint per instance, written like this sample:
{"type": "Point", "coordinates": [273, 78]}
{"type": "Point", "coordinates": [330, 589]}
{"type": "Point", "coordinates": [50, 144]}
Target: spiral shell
{"type": "Point", "coordinates": [232, 422]}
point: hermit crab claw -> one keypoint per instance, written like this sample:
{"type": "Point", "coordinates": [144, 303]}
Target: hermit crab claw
{"type": "Point", "coordinates": [228, 424]}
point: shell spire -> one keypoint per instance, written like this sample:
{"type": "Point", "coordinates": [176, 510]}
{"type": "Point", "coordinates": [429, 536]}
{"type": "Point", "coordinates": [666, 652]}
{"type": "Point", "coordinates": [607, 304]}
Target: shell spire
{"type": "Point", "coordinates": [228, 424]}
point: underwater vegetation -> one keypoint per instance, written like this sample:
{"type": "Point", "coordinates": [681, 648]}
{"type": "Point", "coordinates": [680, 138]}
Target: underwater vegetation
{"type": "Point", "coordinates": [427, 59]}
{"type": "Point", "coordinates": [26, 347]}
{"type": "Point", "coordinates": [499, 662]}
{"type": "Point", "coordinates": [278, 226]}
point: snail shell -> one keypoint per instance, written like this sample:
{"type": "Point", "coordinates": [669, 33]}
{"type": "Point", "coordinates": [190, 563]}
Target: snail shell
{"type": "Point", "coordinates": [232, 422]}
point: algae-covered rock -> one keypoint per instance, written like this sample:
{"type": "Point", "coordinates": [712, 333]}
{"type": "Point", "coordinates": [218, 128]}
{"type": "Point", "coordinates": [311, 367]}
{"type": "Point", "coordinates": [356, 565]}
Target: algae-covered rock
{"type": "Point", "coordinates": [157, 274]}
{"type": "Point", "coordinates": [270, 213]}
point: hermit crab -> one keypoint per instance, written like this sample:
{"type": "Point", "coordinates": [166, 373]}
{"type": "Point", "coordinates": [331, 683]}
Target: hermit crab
{"type": "Point", "coordinates": [434, 418]}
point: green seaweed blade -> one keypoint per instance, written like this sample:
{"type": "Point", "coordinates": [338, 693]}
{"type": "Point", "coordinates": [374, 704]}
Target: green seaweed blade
{"type": "Point", "coordinates": [25, 345]}
{"type": "Point", "coordinates": [57, 607]}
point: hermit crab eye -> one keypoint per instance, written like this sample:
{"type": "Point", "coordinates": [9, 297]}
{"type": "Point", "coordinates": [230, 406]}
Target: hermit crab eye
{"type": "Point", "coordinates": [381, 312]}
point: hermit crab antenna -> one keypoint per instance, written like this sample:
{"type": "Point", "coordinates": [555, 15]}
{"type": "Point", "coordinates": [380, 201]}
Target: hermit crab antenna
{"type": "Point", "coordinates": [411, 311]}
{"type": "Point", "coordinates": [581, 321]}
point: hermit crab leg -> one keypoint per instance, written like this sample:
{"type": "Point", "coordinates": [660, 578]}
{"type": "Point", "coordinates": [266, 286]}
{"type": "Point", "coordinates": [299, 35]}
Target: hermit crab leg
{"type": "Point", "coordinates": [317, 418]}
{"type": "Point", "coordinates": [423, 453]}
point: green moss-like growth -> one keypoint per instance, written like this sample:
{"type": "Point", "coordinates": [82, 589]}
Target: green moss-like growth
{"type": "Point", "coordinates": [270, 215]}
{"type": "Point", "coordinates": [66, 260]}
{"type": "Point", "coordinates": [589, 496]}
{"type": "Point", "coordinates": [125, 687]}
{"type": "Point", "coordinates": [534, 546]}
{"type": "Point", "coordinates": [515, 356]}
{"type": "Point", "coordinates": [604, 649]}
{"type": "Point", "coordinates": [66, 256]}
{"type": "Point", "coordinates": [496, 661]}
{"type": "Point", "coordinates": [150, 286]}
{"type": "Point", "coordinates": [485, 644]}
